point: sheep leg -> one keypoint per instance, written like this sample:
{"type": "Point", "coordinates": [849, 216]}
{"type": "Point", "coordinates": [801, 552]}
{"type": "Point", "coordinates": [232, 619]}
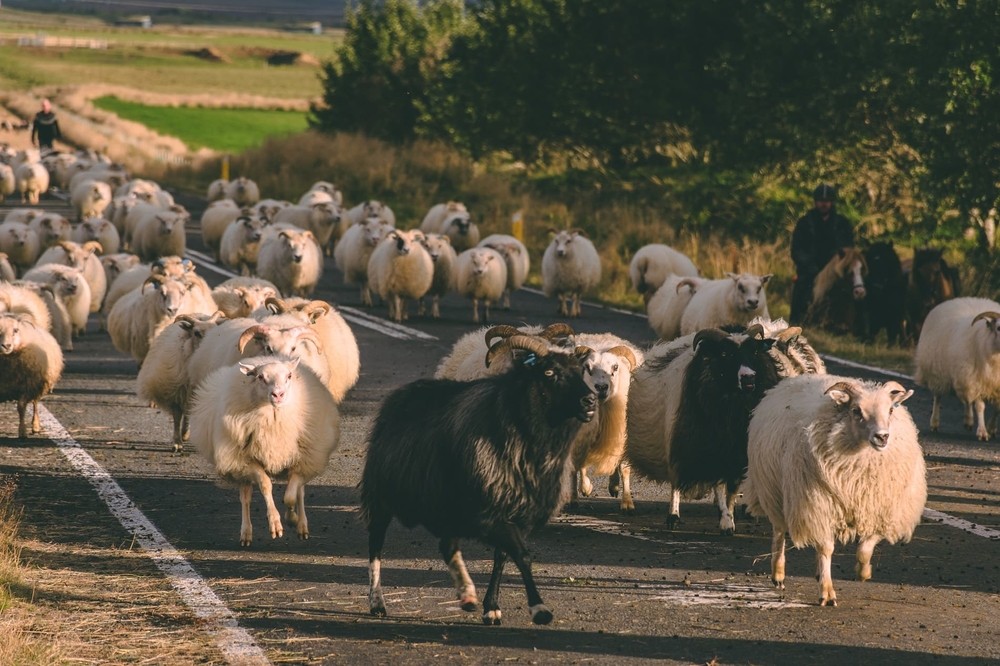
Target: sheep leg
{"type": "Point", "coordinates": [675, 509]}
{"type": "Point", "coordinates": [366, 295]}
{"type": "Point", "coordinates": [246, 528]}
{"type": "Point", "coordinates": [459, 574]}
{"type": "Point", "coordinates": [264, 483]}
{"type": "Point", "coordinates": [576, 305]}
{"type": "Point", "coordinates": [506, 299]}
{"type": "Point", "coordinates": [586, 485]}
{"type": "Point", "coordinates": [969, 419]}
{"type": "Point", "coordinates": [436, 307]}
{"type": "Point", "coordinates": [824, 561]}
{"type": "Point", "coordinates": [778, 557]}
{"type": "Point", "coordinates": [421, 307]}
{"type": "Point", "coordinates": [726, 502]}
{"type": "Point", "coordinates": [22, 413]}
{"type": "Point", "coordinates": [491, 602]}
{"type": "Point", "coordinates": [475, 310]}
{"type": "Point", "coordinates": [178, 416]}
{"type": "Point", "coordinates": [936, 413]}
{"type": "Point", "coordinates": [865, 549]}
{"type": "Point", "coordinates": [295, 504]}
{"type": "Point", "coordinates": [510, 539]}
{"type": "Point", "coordinates": [563, 310]}
{"type": "Point", "coordinates": [486, 310]}
{"type": "Point", "coordinates": [377, 526]}
{"type": "Point", "coordinates": [982, 433]}
{"type": "Point", "coordinates": [626, 505]}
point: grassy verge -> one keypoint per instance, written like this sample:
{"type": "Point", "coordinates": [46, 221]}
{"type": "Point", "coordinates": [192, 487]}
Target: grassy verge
{"type": "Point", "coordinates": [227, 130]}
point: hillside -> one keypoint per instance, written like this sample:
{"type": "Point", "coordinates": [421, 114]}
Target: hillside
{"type": "Point", "coordinates": [329, 12]}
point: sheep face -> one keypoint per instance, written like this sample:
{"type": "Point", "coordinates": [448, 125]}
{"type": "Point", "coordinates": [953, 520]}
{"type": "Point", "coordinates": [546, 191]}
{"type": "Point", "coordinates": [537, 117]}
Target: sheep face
{"type": "Point", "coordinates": [560, 389]}
{"type": "Point", "coordinates": [252, 227]}
{"type": "Point", "coordinates": [435, 245]}
{"type": "Point", "coordinates": [172, 294]}
{"type": "Point", "coordinates": [482, 260]}
{"type": "Point", "coordinates": [270, 382]}
{"type": "Point", "coordinates": [992, 325]}
{"type": "Point", "coordinates": [563, 242]}
{"type": "Point", "coordinates": [736, 362]}
{"type": "Point", "coordinates": [375, 231]}
{"type": "Point", "coordinates": [748, 296]}
{"type": "Point", "coordinates": [866, 412]}
{"type": "Point", "coordinates": [459, 221]}
{"type": "Point", "coordinates": [600, 371]}
{"type": "Point", "coordinates": [10, 334]}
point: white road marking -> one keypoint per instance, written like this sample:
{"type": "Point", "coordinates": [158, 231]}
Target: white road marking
{"type": "Point", "coordinates": [964, 525]}
{"type": "Point", "coordinates": [590, 304]}
{"type": "Point", "coordinates": [383, 326]}
{"type": "Point", "coordinates": [235, 642]}
{"type": "Point", "coordinates": [870, 368]}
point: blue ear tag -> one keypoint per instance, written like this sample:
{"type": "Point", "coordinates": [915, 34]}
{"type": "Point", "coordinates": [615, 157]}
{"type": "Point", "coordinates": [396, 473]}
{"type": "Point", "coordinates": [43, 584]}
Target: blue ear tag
{"type": "Point", "coordinates": [530, 360]}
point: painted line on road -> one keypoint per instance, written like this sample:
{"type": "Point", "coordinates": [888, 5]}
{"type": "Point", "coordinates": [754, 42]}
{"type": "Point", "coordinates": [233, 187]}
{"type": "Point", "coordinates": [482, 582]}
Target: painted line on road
{"type": "Point", "coordinates": [383, 326]}
{"type": "Point", "coordinates": [235, 642]}
{"type": "Point", "coordinates": [964, 525]}
{"type": "Point", "coordinates": [590, 304]}
{"type": "Point", "coordinates": [870, 368]}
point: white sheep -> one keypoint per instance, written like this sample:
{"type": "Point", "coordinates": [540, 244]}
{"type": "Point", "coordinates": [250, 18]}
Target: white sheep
{"type": "Point", "coordinates": [400, 269]}
{"type": "Point", "coordinates": [142, 211]}
{"type": "Point", "coordinates": [355, 248]}
{"type": "Point", "coordinates": [319, 190]}
{"type": "Point", "coordinates": [443, 255]}
{"type": "Point", "coordinates": [518, 261]}
{"type": "Point", "coordinates": [734, 299]}
{"type": "Point", "coordinates": [32, 181]}
{"type": "Point", "coordinates": [30, 365]}
{"type": "Point", "coordinates": [453, 220]}
{"type": "Point", "coordinates": [20, 243]}
{"type": "Point", "coordinates": [115, 264]}
{"type": "Point", "coordinates": [834, 459]}
{"type": "Point", "coordinates": [266, 209]}
{"type": "Point", "coordinates": [570, 268]}
{"type": "Point", "coordinates": [23, 215]}
{"type": "Point", "coordinates": [243, 191]}
{"type": "Point", "coordinates": [366, 209]}
{"type": "Point", "coordinates": [118, 211]}
{"type": "Point", "coordinates": [84, 257]}
{"type": "Point", "coordinates": [140, 315]}
{"type": "Point", "coordinates": [240, 245]}
{"type": "Point", "coordinates": [8, 184]}
{"type": "Point", "coordinates": [60, 323]}
{"type": "Point", "coordinates": [339, 345]}
{"type": "Point", "coordinates": [959, 352]}
{"type": "Point", "coordinates": [214, 221]}
{"type": "Point", "coordinates": [159, 235]}
{"type": "Point", "coordinates": [51, 228]}
{"type": "Point", "coordinates": [72, 288]}
{"type": "Point", "coordinates": [291, 259]}
{"type": "Point", "coordinates": [100, 230]}
{"type": "Point", "coordinates": [322, 218]}
{"type": "Point", "coordinates": [216, 190]}
{"type": "Point", "coordinates": [666, 307]}
{"type": "Point", "coordinates": [89, 198]}
{"type": "Point", "coordinates": [264, 417]}
{"type": "Point", "coordinates": [652, 264]}
{"type": "Point", "coordinates": [7, 272]}
{"type": "Point", "coordinates": [481, 275]}
{"type": "Point", "coordinates": [135, 277]}
{"type": "Point", "coordinates": [241, 296]}
{"type": "Point", "coordinates": [163, 379]}
{"type": "Point", "coordinates": [20, 299]}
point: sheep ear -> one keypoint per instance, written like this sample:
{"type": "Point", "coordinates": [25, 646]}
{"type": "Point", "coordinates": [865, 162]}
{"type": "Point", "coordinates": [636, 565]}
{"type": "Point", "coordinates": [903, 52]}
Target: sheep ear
{"type": "Point", "coordinates": [247, 369]}
{"type": "Point", "coordinates": [841, 392]}
{"type": "Point", "coordinates": [898, 394]}
{"type": "Point", "coordinates": [294, 363]}
{"type": "Point", "coordinates": [764, 278]}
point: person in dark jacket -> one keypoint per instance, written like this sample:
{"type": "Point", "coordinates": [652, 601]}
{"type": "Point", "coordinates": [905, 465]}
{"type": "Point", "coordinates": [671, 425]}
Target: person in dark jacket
{"type": "Point", "coordinates": [45, 127]}
{"type": "Point", "coordinates": [818, 235]}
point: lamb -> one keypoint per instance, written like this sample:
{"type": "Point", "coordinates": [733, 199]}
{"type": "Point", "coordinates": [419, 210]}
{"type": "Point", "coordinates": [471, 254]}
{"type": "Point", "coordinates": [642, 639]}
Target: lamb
{"type": "Point", "coordinates": [453, 220]}
{"type": "Point", "coordinates": [355, 248]}
{"type": "Point", "coordinates": [665, 308]}
{"type": "Point", "coordinates": [340, 347]}
{"type": "Point", "coordinates": [71, 287]}
{"type": "Point", "coordinates": [443, 255]}
{"type": "Point", "coordinates": [515, 254]}
{"type": "Point", "coordinates": [100, 230]}
{"type": "Point", "coordinates": [140, 315]}
{"type": "Point", "coordinates": [51, 228]}
{"type": "Point", "coordinates": [485, 459]}
{"type": "Point", "coordinates": [264, 417]}
{"type": "Point", "coordinates": [652, 264]}
{"type": "Point", "coordinates": [291, 259]}
{"type": "Point", "coordinates": [215, 220]}
{"type": "Point", "coordinates": [467, 359]}
{"type": "Point", "coordinates": [160, 235]}
{"type": "Point", "coordinates": [734, 299]}
{"type": "Point", "coordinates": [400, 269]}
{"type": "Point", "coordinates": [689, 405]}
{"type": "Point", "coordinates": [241, 296]}
{"type": "Point", "coordinates": [243, 191]}
{"type": "Point", "coordinates": [958, 354]}
{"type": "Point", "coordinates": [481, 274]}
{"type": "Point", "coordinates": [8, 184]}
{"type": "Point", "coordinates": [89, 198]}
{"type": "Point", "coordinates": [834, 459]}
{"type": "Point", "coordinates": [322, 218]}
{"type": "Point", "coordinates": [84, 257]}
{"type": "Point", "coordinates": [240, 246]}
{"type": "Point", "coordinates": [20, 243]}
{"type": "Point", "coordinates": [32, 181]}
{"type": "Point", "coordinates": [570, 267]}
{"type": "Point", "coordinates": [30, 365]}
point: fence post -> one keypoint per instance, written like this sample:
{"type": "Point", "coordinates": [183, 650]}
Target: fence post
{"type": "Point", "coordinates": [517, 225]}
{"type": "Point", "coordinates": [225, 168]}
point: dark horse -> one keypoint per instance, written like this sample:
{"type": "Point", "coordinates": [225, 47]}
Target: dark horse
{"type": "Point", "coordinates": [839, 292]}
{"type": "Point", "coordinates": [930, 280]}
{"type": "Point", "coordinates": [884, 303]}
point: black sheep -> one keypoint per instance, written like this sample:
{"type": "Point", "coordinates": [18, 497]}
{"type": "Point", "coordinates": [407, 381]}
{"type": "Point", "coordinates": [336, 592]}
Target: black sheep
{"type": "Point", "coordinates": [486, 459]}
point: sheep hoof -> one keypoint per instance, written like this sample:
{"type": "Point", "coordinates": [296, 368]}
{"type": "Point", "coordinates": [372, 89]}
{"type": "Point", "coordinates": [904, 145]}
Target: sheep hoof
{"type": "Point", "coordinates": [378, 610]}
{"type": "Point", "coordinates": [178, 447]}
{"type": "Point", "coordinates": [492, 618]}
{"type": "Point", "coordinates": [779, 584]}
{"type": "Point", "coordinates": [727, 531]}
{"type": "Point", "coordinates": [468, 603]}
{"type": "Point", "coordinates": [673, 521]}
{"type": "Point", "coordinates": [541, 615]}
{"type": "Point", "coordinates": [828, 602]}
{"type": "Point", "coordinates": [628, 508]}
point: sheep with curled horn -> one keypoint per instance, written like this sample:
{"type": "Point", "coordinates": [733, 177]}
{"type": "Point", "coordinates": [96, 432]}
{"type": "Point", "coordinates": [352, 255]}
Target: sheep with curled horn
{"type": "Point", "coordinates": [465, 361]}
{"type": "Point", "coordinates": [486, 459]}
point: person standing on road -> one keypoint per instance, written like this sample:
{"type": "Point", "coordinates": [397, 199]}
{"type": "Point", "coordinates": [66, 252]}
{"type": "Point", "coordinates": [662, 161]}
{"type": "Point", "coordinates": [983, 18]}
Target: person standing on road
{"type": "Point", "coordinates": [45, 127]}
{"type": "Point", "coordinates": [818, 235]}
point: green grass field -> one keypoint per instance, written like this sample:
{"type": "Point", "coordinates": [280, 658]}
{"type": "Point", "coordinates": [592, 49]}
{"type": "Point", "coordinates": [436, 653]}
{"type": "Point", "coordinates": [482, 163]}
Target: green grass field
{"type": "Point", "coordinates": [228, 130]}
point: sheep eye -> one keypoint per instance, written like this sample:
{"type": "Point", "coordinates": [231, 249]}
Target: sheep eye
{"type": "Point", "coordinates": [857, 413]}
{"type": "Point", "coordinates": [289, 377]}
{"type": "Point", "coordinates": [550, 373]}
{"type": "Point", "coordinates": [614, 368]}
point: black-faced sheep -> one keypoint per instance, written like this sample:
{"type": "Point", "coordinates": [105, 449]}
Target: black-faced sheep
{"type": "Point", "coordinates": [570, 268]}
{"type": "Point", "coordinates": [453, 220]}
{"type": "Point", "coordinates": [30, 365]}
{"type": "Point", "coordinates": [834, 459]}
{"type": "Point", "coordinates": [959, 352]}
{"type": "Point", "coordinates": [486, 459]}
{"type": "Point", "coordinates": [266, 416]}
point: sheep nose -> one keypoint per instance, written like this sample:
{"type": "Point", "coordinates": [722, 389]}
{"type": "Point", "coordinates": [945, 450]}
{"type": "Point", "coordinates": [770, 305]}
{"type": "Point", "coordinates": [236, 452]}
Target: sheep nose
{"type": "Point", "coordinates": [602, 390]}
{"type": "Point", "coordinates": [297, 258]}
{"type": "Point", "coordinates": [171, 310]}
{"type": "Point", "coordinates": [277, 396]}
{"type": "Point", "coordinates": [561, 253]}
{"type": "Point", "coordinates": [753, 304]}
{"type": "Point", "coordinates": [859, 293]}
{"type": "Point", "coordinates": [6, 348]}
{"type": "Point", "coordinates": [880, 439]}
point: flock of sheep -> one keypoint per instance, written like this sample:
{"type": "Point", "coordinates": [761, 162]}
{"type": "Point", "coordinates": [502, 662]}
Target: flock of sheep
{"type": "Point", "coordinates": [515, 419]}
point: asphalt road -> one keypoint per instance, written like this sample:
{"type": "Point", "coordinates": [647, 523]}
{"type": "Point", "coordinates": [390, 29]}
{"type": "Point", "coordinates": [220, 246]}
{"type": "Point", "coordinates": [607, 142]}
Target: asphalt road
{"type": "Point", "coordinates": [623, 589]}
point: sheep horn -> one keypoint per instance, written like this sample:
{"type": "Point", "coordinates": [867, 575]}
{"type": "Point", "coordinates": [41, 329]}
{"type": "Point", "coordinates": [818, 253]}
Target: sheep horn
{"type": "Point", "coordinates": [186, 321]}
{"type": "Point", "coordinates": [528, 342]}
{"type": "Point", "coordinates": [847, 387]}
{"type": "Point", "coordinates": [559, 330]}
{"type": "Point", "coordinates": [94, 247]}
{"type": "Point", "coordinates": [249, 334]}
{"type": "Point", "coordinates": [986, 315]}
{"type": "Point", "coordinates": [316, 310]}
{"type": "Point", "coordinates": [157, 279]}
{"type": "Point", "coordinates": [582, 351]}
{"type": "Point", "coordinates": [756, 331]}
{"type": "Point", "coordinates": [789, 334]}
{"type": "Point", "coordinates": [687, 282]}
{"type": "Point", "coordinates": [308, 335]}
{"type": "Point", "coordinates": [626, 353]}
{"type": "Point", "coordinates": [275, 305]}
{"type": "Point", "coordinates": [501, 331]}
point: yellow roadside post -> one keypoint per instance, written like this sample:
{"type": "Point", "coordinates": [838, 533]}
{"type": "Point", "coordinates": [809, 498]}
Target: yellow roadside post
{"type": "Point", "coordinates": [225, 168]}
{"type": "Point", "coordinates": [517, 225]}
